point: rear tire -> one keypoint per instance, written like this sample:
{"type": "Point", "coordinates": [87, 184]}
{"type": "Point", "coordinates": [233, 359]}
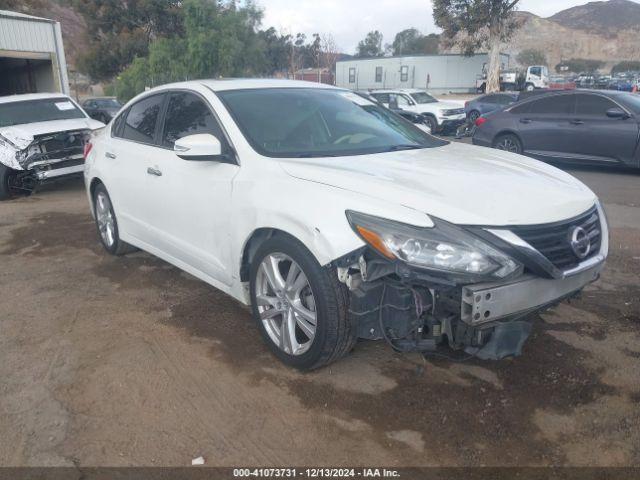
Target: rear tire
{"type": "Point", "coordinates": [313, 294]}
{"type": "Point", "coordinates": [508, 143]}
{"type": "Point", "coordinates": [7, 175]}
{"type": "Point", "coordinates": [473, 116]}
{"type": "Point", "coordinates": [107, 224]}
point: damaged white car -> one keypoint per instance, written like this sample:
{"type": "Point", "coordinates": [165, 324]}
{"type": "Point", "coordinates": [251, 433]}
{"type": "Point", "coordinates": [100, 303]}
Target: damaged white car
{"type": "Point", "coordinates": [336, 219]}
{"type": "Point", "coordinates": [42, 138]}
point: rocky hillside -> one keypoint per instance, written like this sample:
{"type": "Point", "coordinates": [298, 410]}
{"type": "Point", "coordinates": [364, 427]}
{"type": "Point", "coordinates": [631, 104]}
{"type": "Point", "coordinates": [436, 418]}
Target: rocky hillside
{"type": "Point", "coordinates": [604, 18]}
{"type": "Point", "coordinates": [561, 39]}
{"type": "Point", "coordinates": [74, 28]}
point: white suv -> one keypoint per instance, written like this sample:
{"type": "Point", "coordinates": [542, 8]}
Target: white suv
{"type": "Point", "coordinates": [336, 219]}
{"type": "Point", "coordinates": [439, 116]}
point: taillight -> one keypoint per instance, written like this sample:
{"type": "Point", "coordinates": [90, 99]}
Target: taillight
{"type": "Point", "coordinates": [87, 148]}
{"type": "Point", "coordinates": [480, 121]}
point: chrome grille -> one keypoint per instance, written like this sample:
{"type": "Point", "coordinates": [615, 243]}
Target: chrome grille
{"type": "Point", "coordinates": [554, 240]}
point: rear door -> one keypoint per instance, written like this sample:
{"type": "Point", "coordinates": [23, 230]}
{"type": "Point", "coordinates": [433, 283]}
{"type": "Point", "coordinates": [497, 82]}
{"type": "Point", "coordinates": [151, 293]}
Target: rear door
{"type": "Point", "coordinates": [130, 152]}
{"type": "Point", "coordinates": [543, 124]}
{"type": "Point", "coordinates": [596, 137]}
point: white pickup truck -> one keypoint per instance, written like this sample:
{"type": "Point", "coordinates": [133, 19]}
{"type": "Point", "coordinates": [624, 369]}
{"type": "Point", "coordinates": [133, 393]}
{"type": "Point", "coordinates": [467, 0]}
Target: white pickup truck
{"type": "Point", "coordinates": [535, 77]}
{"type": "Point", "coordinates": [439, 116]}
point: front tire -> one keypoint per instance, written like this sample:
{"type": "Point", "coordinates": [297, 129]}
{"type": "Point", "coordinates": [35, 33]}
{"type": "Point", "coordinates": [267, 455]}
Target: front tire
{"type": "Point", "coordinates": [508, 143]}
{"type": "Point", "coordinates": [7, 178]}
{"type": "Point", "coordinates": [299, 306]}
{"type": "Point", "coordinates": [432, 123]}
{"type": "Point", "coordinates": [107, 224]}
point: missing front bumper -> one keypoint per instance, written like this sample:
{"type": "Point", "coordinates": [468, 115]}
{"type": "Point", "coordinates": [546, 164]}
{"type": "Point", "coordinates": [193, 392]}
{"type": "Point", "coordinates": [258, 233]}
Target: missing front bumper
{"type": "Point", "coordinates": [486, 303]}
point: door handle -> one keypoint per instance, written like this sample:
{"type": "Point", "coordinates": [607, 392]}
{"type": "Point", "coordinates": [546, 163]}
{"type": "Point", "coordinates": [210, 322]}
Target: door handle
{"type": "Point", "coordinates": [154, 171]}
{"type": "Point", "coordinates": [110, 155]}
{"type": "Point", "coordinates": [525, 120]}
{"type": "Point", "coordinates": [576, 122]}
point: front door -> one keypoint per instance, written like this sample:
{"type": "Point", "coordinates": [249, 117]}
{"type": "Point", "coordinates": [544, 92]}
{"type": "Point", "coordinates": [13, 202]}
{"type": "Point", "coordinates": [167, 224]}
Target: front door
{"type": "Point", "coordinates": [598, 138]}
{"type": "Point", "coordinates": [191, 199]}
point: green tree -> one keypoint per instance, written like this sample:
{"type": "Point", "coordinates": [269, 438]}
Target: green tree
{"type": "Point", "coordinates": [276, 50]}
{"type": "Point", "coordinates": [412, 42]}
{"type": "Point", "coordinates": [530, 57]}
{"type": "Point", "coordinates": [627, 66]}
{"type": "Point", "coordinates": [220, 40]}
{"type": "Point", "coordinates": [120, 31]}
{"type": "Point", "coordinates": [581, 65]}
{"type": "Point", "coordinates": [477, 24]}
{"type": "Point", "coordinates": [371, 46]}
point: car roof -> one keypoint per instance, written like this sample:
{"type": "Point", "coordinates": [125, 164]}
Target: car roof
{"type": "Point", "coordinates": [245, 84]}
{"type": "Point", "coordinates": [31, 96]}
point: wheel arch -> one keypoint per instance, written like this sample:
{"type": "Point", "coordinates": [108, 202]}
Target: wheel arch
{"type": "Point", "coordinates": [257, 238]}
{"type": "Point", "coordinates": [93, 184]}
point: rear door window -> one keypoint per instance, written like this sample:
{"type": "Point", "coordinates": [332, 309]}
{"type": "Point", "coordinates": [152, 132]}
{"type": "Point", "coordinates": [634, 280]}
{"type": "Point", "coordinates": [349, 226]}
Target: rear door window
{"type": "Point", "coordinates": [381, 97]}
{"type": "Point", "coordinates": [553, 105]}
{"type": "Point", "coordinates": [142, 119]}
{"type": "Point", "coordinates": [504, 99]}
{"type": "Point", "coordinates": [593, 105]}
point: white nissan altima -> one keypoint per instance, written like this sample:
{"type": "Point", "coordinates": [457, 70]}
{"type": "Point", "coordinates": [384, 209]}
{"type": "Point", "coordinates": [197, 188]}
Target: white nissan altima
{"type": "Point", "coordinates": [338, 220]}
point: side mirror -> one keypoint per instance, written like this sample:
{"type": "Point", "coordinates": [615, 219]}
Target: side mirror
{"type": "Point", "coordinates": [200, 147]}
{"type": "Point", "coordinates": [617, 113]}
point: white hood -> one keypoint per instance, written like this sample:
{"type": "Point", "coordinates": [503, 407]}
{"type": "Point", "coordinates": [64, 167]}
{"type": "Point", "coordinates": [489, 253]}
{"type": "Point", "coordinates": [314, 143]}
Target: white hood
{"type": "Point", "coordinates": [458, 183]}
{"type": "Point", "coordinates": [450, 104]}
{"type": "Point", "coordinates": [22, 135]}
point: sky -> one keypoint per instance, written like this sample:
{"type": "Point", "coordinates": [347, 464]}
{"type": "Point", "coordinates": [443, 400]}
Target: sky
{"type": "Point", "coordinates": [350, 20]}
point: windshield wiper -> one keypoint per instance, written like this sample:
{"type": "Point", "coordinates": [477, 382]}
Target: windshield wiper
{"type": "Point", "coordinates": [397, 148]}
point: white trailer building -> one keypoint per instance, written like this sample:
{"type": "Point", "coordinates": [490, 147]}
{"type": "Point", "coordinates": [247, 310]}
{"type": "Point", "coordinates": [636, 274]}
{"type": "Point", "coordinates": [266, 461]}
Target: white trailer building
{"type": "Point", "coordinates": [449, 73]}
{"type": "Point", "coordinates": [31, 55]}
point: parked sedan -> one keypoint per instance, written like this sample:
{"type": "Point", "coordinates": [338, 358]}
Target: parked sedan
{"type": "Point", "coordinates": [589, 127]}
{"type": "Point", "coordinates": [335, 219]}
{"type": "Point", "coordinates": [488, 103]}
{"type": "Point", "coordinates": [102, 109]}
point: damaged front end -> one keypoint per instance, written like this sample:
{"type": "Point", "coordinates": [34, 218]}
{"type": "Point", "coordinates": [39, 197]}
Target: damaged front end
{"type": "Point", "coordinates": [41, 158]}
{"type": "Point", "coordinates": [421, 289]}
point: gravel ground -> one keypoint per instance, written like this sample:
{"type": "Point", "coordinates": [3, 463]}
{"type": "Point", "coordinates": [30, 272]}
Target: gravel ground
{"type": "Point", "coordinates": [128, 361]}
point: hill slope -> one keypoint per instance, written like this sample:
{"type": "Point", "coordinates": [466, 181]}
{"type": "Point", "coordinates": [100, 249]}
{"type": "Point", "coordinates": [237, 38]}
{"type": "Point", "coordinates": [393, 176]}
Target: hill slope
{"type": "Point", "coordinates": [563, 42]}
{"type": "Point", "coordinates": [604, 18]}
{"type": "Point", "coordinates": [74, 28]}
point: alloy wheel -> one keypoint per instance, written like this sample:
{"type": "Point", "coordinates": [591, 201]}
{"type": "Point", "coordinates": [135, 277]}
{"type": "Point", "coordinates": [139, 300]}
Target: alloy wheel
{"type": "Point", "coordinates": [508, 145]}
{"type": "Point", "coordinates": [286, 304]}
{"type": "Point", "coordinates": [104, 218]}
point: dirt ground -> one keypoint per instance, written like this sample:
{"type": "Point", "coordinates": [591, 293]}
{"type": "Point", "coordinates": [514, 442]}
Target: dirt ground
{"type": "Point", "coordinates": [128, 361]}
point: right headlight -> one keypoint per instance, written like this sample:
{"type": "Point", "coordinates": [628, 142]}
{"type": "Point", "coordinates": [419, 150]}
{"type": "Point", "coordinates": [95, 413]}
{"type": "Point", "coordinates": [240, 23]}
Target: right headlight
{"type": "Point", "coordinates": [443, 248]}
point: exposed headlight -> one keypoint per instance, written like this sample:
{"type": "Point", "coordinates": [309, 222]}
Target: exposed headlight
{"type": "Point", "coordinates": [443, 248]}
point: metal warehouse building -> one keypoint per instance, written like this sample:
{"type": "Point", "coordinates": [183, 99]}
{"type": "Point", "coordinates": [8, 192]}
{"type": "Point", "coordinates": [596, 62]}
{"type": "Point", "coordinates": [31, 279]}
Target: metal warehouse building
{"type": "Point", "coordinates": [438, 73]}
{"type": "Point", "coordinates": [31, 55]}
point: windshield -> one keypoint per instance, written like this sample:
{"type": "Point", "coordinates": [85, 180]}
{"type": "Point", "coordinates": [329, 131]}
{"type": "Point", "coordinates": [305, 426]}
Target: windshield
{"type": "Point", "coordinates": [631, 100]}
{"type": "Point", "coordinates": [107, 103]}
{"type": "Point", "coordinates": [312, 122]}
{"type": "Point", "coordinates": [423, 97]}
{"type": "Point", "coordinates": [32, 111]}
